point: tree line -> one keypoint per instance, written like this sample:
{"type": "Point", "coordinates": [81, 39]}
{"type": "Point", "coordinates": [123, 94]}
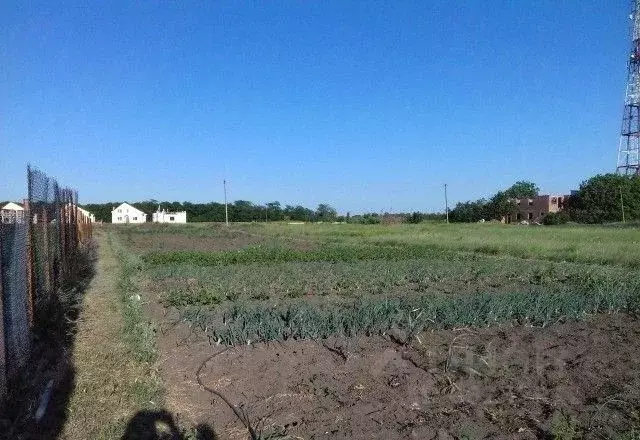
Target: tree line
{"type": "Point", "coordinates": [246, 211]}
{"type": "Point", "coordinates": [239, 211]}
{"type": "Point", "coordinates": [600, 199]}
{"type": "Point", "coordinates": [495, 208]}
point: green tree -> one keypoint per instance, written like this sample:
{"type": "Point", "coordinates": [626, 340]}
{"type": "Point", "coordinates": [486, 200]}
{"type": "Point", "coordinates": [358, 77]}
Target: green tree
{"type": "Point", "coordinates": [500, 205]}
{"type": "Point", "coordinates": [556, 218]}
{"type": "Point", "coordinates": [414, 218]}
{"type": "Point", "coordinates": [243, 211]}
{"type": "Point", "coordinates": [504, 203]}
{"type": "Point", "coordinates": [469, 211]}
{"type": "Point", "coordinates": [326, 213]}
{"type": "Point", "coordinates": [366, 219]}
{"type": "Point", "coordinates": [297, 213]}
{"type": "Point", "coordinates": [522, 189]}
{"type": "Point", "coordinates": [274, 211]}
{"type": "Point", "coordinates": [497, 207]}
{"type": "Point", "coordinates": [601, 197]}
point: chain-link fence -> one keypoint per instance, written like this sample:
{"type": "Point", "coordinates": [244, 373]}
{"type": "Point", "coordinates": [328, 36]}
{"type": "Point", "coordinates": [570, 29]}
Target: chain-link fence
{"type": "Point", "coordinates": [39, 249]}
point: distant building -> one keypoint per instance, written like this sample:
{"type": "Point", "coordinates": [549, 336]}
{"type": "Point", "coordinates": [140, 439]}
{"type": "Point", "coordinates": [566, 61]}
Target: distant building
{"type": "Point", "coordinates": [169, 217]}
{"type": "Point", "coordinates": [79, 213]}
{"type": "Point", "coordinates": [12, 213]}
{"type": "Point", "coordinates": [534, 210]}
{"type": "Point", "coordinates": [126, 213]}
{"type": "Point", "coordinates": [89, 216]}
{"type": "Point", "coordinates": [15, 213]}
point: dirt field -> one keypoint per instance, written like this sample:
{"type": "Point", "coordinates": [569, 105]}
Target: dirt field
{"type": "Point", "coordinates": [564, 378]}
{"type": "Point", "coordinates": [170, 242]}
{"type": "Point", "coordinates": [510, 382]}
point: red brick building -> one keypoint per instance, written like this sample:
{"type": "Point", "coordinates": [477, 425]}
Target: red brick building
{"type": "Point", "coordinates": [535, 209]}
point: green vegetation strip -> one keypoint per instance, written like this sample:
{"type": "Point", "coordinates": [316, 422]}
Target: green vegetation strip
{"type": "Point", "coordinates": [138, 332]}
{"type": "Point", "coordinates": [248, 322]}
{"type": "Point", "coordinates": [385, 250]}
{"type": "Point", "coordinates": [183, 285]}
{"type": "Point", "coordinates": [264, 255]}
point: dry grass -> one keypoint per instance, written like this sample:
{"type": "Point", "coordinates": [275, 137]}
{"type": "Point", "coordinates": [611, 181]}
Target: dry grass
{"type": "Point", "coordinates": [110, 384]}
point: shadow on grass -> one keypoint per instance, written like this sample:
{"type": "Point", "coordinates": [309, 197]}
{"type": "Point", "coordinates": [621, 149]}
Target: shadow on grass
{"type": "Point", "coordinates": [160, 425]}
{"type": "Point", "coordinates": [37, 398]}
{"type": "Point", "coordinates": [37, 403]}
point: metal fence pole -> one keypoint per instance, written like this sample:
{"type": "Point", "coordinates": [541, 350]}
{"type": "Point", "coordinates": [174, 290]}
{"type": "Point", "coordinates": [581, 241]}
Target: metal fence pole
{"type": "Point", "coordinates": [63, 241]}
{"type": "Point", "coordinates": [29, 259]}
{"type": "Point", "coordinates": [75, 234]}
{"type": "Point", "coordinates": [3, 348]}
{"type": "Point", "coordinates": [45, 250]}
{"type": "Point", "coordinates": [58, 263]}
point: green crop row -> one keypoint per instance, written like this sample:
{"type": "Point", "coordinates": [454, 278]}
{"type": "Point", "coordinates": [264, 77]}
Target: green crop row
{"type": "Point", "coordinates": [276, 254]}
{"type": "Point", "coordinates": [184, 285]}
{"type": "Point", "coordinates": [388, 250]}
{"type": "Point", "coordinates": [243, 323]}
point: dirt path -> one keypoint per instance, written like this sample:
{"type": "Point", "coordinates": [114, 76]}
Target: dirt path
{"type": "Point", "coordinates": [107, 377]}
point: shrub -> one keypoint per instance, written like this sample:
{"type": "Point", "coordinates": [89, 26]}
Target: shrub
{"type": "Point", "coordinates": [414, 218]}
{"type": "Point", "coordinates": [556, 218]}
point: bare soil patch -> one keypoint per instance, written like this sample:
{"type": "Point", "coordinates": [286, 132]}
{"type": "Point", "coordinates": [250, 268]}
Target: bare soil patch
{"type": "Point", "coordinates": [175, 242]}
{"type": "Point", "coordinates": [234, 240]}
{"type": "Point", "coordinates": [502, 382]}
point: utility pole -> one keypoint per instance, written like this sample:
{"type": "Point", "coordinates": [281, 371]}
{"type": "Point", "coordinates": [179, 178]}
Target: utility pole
{"type": "Point", "coordinates": [226, 210]}
{"type": "Point", "coordinates": [622, 204]}
{"type": "Point", "coordinates": [446, 202]}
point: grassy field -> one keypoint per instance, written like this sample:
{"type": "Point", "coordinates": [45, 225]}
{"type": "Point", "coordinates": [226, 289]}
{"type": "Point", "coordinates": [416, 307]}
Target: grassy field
{"type": "Point", "coordinates": [277, 281]}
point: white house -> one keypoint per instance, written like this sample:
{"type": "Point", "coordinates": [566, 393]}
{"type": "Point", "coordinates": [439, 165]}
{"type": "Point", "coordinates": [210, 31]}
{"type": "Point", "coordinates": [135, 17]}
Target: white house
{"type": "Point", "coordinates": [12, 213]}
{"type": "Point", "coordinates": [126, 213]}
{"type": "Point", "coordinates": [169, 217]}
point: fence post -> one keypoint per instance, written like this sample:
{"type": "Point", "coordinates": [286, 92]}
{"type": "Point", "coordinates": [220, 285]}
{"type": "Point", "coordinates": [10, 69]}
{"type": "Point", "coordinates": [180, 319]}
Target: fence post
{"type": "Point", "coordinates": [75, 234]}
{"type": "Point", "coordinates": [63, 241]}
{"type": "Point", "coordinates": [3, 348]}
{"type": "Point", "coordinates": [30, 274]}
{"type": "Point", "coordinates": [45, 251]}
{"type": "Point", "coordinates": [58, 263]}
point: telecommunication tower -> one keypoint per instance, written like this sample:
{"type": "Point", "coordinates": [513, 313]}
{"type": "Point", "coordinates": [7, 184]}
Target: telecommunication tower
{"type": "Point", "coordinates": [629, 149]}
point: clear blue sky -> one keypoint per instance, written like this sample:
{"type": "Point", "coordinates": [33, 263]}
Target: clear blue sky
{"type": "Point", "coordinates": [367, 105]}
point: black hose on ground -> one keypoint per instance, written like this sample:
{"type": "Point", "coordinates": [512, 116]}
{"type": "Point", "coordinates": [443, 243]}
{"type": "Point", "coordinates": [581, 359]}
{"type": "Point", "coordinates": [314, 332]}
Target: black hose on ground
{"type": "Point", "coordinates": [242, 417]}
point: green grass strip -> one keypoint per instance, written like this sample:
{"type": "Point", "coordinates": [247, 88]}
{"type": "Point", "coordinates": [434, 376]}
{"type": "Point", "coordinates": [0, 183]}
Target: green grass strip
{"type": "Point", "coordinates": [139, 333]}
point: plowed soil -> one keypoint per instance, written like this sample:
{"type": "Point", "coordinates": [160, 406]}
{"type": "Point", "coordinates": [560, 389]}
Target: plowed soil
{"type": "Point", "coordinates": [175, 242]}
{"type": "Point", "coordinates": [579, 378]}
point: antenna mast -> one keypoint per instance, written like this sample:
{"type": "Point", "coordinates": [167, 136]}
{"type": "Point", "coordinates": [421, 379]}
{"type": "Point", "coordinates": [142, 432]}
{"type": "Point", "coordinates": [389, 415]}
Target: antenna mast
{"type": "Point", "coordinates": [629, 149]}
